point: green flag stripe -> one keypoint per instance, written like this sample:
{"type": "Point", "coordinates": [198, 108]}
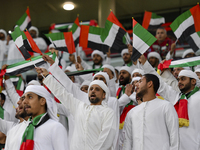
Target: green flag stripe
{"type": "Point", "coordinates": [154, 16]}
{"type": "Point", "coordinates": [143, 34]}
{"type": "Point", "coordinates": [1, 113]}
{"type": "Point", "coordinates": [73, 28]}
{"type": "Point", "coordinates": [27, 61]}
{"type": "Point", "coordinates": [21, 20]}
{"type": "Point", "coordinates": [107, 28]}
{"type": "Point", "coordinates": [175, 24]}
{"type": "Point", "coordinates": [62, 27]}
{"type": "Point", "coordinates": [19, 83]}
{"type": "Point", "coordinates": [95, 30]}
{"type": "Point", "coordinates": [55, 36]}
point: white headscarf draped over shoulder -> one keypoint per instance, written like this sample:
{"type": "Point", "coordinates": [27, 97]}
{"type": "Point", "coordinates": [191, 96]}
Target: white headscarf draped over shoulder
{"type": "Point", "coordinates": [51, 104]}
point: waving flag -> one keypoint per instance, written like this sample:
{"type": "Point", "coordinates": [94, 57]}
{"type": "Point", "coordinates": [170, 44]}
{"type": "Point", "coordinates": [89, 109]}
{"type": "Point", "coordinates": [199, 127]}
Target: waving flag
{"type": "Point", "coordinates": [152, 20]}
{"type": "Point", "coordinates": [113, 32]}
{"type": "Point", "coordinates": [24, 42]}
{"type": "Point", "coordinates": [142, 40]}
{"type": "Point", "coordinates": [186, 62]}
{"type": "Point", "coordinates": [63, 41]}
{"type": "Point", "coordinates": [187, 27]}
{"type": "Point", "coordinates": [25, 21]}
{"type": "Point", "coordinates": [24, 66]}
{"type": "Point", "coordinates": [75, 29]}
{"type": "Point", "coordinates": [90, 38]}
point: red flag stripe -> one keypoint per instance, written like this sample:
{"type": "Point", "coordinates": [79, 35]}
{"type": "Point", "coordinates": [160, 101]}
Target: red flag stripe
{"type": "Point", "coordinates": [146, 19]}
{"type": "Point", "coordinates": [195, 11]}
{"type": "Point", "coordinates": [114, 20]}
{"type": "Point", "coordinates": [77, 21]}
{"type": "Point", "coordinates": [69, 42]}
{"type": "Point", "coordinates": [32, 42]}
{"type": "Point", "coordinates": [27, 12]}
{"type": "Point", "coordinates": [83, 41]}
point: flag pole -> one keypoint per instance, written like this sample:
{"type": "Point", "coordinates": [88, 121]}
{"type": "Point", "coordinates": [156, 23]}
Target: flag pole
{"type": "Point", "coordinates": [176, 41]}
{"type": "Point", "coordinates": [41, 73]}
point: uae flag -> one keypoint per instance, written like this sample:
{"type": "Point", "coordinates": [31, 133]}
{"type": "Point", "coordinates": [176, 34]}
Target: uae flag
{"type": "Point", "coordinates": [152, 20]}
{"type": "Point", "coordinates": [142, 40]}
{"type": "Point", "coordinates": [25, 65]}
{"type": "Point", "coordinates": [186, 62]}
{"type": "Point", "coordinates": [90, 38]}
{"type": "Point", "coordinates": [113, 32]}
{"type": "Point", "coordinates": [63, 41]}
{"type": "Point", "coordinates": [187, 27]}
{"type": "Point", "coordinates": [59, 26]}
{"type": "Point", "coordinates": [24, 42]}
{"type": "Point", "coordinates": [25, 21]}
{"type": "Point", "coordinates": [75, 29]}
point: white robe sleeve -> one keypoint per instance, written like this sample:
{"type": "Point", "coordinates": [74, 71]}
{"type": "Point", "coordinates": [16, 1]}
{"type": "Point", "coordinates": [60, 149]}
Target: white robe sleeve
{"type": "Point", "coordinates": [61, 93]}
{"type": "Point", "coordinates": [124, 100]}
{"type": "Point", "coordinates": [5, 126]}
{"type": "Point", "coordinates": [67, 83]}
{"type": "Point", "coordinates": [107, 134]}
{"type": "Point", "coordinates": [166, 91]}
{"type": "Point", "coordinates": [127, 134]}
{"type": "Point", "coordinates": [10, 89]}
{"type": "Point", "coordinates": [112, 87]}
{"type": "Point", "coordinates": [62, 110]}
{"type": "Point", "coordinates": [170, 80]}
{"type": "Point", "coordinates": [59, 138]}
{"type": "Point", "coordinates": [85, 65]}
{"type": "Point", "coordinates": [172, 126]}
{"type": "Point", "coordinates": [107, 61]}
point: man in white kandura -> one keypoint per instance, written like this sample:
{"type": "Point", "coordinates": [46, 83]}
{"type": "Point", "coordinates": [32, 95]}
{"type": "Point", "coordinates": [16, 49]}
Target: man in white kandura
{"type": "Point", "coordinates": [154, 123]}
{"type": "Point", "coordinates": [95, 124]}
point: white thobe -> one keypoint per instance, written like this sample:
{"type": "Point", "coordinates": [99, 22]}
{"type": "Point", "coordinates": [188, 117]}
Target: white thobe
{"type": "Point", "coordinates": [5, 126]}
{"type": "Point", "coordinates": [77, 93]}
{"type": "Point", "coordinates": [14, 136]}
{"type": "Point", "coordinates": [95, 125]}
{"type": "Point", "coordinates": [189, 136]}
{"type": "Point", "coordinates": [152, 125]}
{"type": "Point", "coordinates": [49, 136]}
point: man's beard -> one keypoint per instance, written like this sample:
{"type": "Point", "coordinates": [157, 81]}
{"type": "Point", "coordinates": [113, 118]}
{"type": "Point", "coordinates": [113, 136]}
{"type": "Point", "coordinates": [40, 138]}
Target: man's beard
{"type": "Point", "coordinates": [141, 93]}
{"type": "Point", "coordinates": [96, 100]}
{"type": "Point", "coordinates": [186, 88]}
{"type": "Point", "coordinates": [97, 62]}
{"type": "Point", "coordinates": [126, 81]}
{"type": "Point", "coordinates": [23, 114]}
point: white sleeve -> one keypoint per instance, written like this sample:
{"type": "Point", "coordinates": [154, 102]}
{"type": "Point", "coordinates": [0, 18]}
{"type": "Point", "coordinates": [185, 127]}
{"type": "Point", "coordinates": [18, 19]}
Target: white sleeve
{"type": "Point", "coordinates": [123, 100]}
{"type": "Point", "coordinates": [127, 134]}
{"type": "Point", "coordinates": [166, 91]}
{"type": "Point", "coordinates": [59, 138]}
{"type": "Point", "coordinates": [170, 80]}
{"type": "Point", "coordinates": [108, 132]}
{"type": "Point", "coordinates": [172, 126]}
{"type": "Point", "coordinates": [61, 93]}
{"type": "Point", "coordinates": [112, 87]}
{"type": "Point", "coordinates": [107, 61]}
{"type": "Point", "coordinates": [85, 65]}
{"type": "Point", "coordinates": [114, 104]}
{"type": "Point", "coordinates": [62, 110]}
{"type": "Point", "coordinates": [68, 84]}
{"type": "Point", "coordinates": [5, 126]}
{"type": "Point", "coordinates": [10, 89]}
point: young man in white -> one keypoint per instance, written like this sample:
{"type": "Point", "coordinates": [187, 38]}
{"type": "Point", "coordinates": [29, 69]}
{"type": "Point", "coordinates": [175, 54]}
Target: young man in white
{"type": "Point", "coordinates": [154, 123]}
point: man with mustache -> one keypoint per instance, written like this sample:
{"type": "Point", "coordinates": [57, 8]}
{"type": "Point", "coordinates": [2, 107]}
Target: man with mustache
{"type": "Point", "coordinates": [186, 104]}
{"type": "Point", "coordinates": [43, 131]}
{"type": "Point", "coordinates": [154, 123]}
{"type": "Point", "coordinates": [95, 124]}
